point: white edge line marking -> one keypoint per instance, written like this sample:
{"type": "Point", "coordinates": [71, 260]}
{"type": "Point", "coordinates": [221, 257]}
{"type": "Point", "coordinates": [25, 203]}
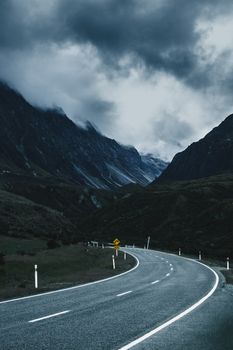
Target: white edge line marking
{"type": "Point", "coordinates": [119, 295]}
{"type": "Point", "coordinates": [155, 282]}
{"type": "Point", "coordinates": [49, 316]}
{"type": "Point", "coordinates": [75, 287]}
{"type": "Point", "coordinates": [178, 317]}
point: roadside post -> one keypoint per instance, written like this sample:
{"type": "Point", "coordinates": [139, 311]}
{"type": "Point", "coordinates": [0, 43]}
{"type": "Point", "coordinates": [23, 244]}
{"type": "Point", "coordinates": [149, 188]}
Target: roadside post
{"type": "Point", "coordinates": [36, 276]}
{"type": "Point", "coordinates": [113, 262]}
{"type": "Point", "coordinates": [179, 251]}
{"type": "Point", "coordinates": [124, 255]}
{"type": "Point", "coordinates": [199, 255]}
{"type": "Point", "coordinates": [228, 263]}
{"type": "Point", "coordinates": [148, 242]}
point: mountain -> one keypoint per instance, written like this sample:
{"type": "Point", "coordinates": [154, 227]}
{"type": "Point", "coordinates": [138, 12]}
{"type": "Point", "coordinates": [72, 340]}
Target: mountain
{"type": "Point", "coordinates": [47, 143]}
{"type": "Point", "coordinates": [211, 155]}
{"type": "Point", "coordinates": [191, 215]}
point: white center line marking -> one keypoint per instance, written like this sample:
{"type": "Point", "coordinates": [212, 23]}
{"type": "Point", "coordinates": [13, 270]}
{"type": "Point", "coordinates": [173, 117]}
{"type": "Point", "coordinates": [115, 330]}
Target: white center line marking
{"type": "Point", "coordinates": [170, 264]}
{"type": "Point", "coordinates": [119, 295]}
{"type": "Point", "coordinates": [172, 269]}
{"type": "Point", "coordinates": [168, 274]}
{"type": "Point", "coordinates": [155, 282]}
{"type": "Point", "coordinates": [49, 316]}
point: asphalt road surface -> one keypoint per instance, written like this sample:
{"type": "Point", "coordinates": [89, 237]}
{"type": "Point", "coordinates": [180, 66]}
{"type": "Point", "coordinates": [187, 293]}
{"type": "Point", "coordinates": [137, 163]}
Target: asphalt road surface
{"type": "Point", "coordinates": [167, 302]}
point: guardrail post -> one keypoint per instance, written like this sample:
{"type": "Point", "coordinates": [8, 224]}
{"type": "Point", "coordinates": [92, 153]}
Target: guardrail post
{"type": "Point", "coordinates": [113, 262]}
{"type": "Point", "coordinates": [36, 277]}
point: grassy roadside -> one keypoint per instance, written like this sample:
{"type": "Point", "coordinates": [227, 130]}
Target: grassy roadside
{"type": "Point", "coordinates": [61, 267]}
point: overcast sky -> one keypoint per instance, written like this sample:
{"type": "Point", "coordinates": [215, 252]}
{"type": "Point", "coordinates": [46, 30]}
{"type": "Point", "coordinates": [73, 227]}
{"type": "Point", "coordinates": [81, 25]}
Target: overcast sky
{"type": "Point", "coordinates": [156, 74]}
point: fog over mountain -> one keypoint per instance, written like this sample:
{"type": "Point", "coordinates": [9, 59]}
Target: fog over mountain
{"type": "Point", "coordinates": [153, 74]}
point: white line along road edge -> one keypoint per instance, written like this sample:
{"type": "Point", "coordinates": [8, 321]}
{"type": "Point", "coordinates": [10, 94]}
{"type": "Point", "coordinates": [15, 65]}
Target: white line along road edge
{"type": "Point", "coordinates": [178, 317]}
{"type": "Point", "coordinates": [75, 287]}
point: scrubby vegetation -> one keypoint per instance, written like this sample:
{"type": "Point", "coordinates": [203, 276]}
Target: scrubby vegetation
{"type": "Point", "coordinates": [57, 268]}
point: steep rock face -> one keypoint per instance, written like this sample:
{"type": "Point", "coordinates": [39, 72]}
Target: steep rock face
{"type": "Point", "coordinates": [48, 143]}
{"type": "Point", "coordinates": [211, 155]}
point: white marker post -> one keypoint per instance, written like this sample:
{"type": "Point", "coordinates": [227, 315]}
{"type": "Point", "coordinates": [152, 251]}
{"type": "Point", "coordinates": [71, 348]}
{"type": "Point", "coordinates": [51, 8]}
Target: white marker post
{"type": "Point", "coordinates": [228, 264]}
{"type": "Point", "coordinates": [36, 277]}
{"type": "Point", "coordinates": [116, 252]}
{"type": "Point", "coordinates": [113, 262]}
{"type": "Point", "coordinates": [179, 251]}
{"type": "Point", "coordinates": [124, 255]}
{"type": "Point", "coordinates": [102, 246]}
{"type": "Point", "coordinates": [148, 242]}
{"type": "Point", "coordinates": [133, 245]}
{"type": "Point", "coordinates": [199, 255]}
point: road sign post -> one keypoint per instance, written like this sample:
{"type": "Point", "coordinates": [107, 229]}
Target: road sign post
{"type": "Point", "coordinates": [116, 243]}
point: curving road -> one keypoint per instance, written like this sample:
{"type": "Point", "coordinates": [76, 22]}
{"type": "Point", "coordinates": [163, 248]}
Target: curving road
{"type": "Point", "coordinates": [164, 303]}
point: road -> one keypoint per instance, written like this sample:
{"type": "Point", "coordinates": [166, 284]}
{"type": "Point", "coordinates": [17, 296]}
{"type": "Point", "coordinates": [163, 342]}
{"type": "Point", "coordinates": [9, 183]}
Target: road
{"type": "Point", "coordinates": [167, 302]}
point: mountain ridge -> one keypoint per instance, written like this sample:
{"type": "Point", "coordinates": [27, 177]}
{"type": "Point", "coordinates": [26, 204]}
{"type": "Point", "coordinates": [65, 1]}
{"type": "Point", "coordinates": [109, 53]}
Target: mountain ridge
{"type": "Point", "coordinates": [211, 155]}
{"type": "Point", "coordinates": [48, 143]}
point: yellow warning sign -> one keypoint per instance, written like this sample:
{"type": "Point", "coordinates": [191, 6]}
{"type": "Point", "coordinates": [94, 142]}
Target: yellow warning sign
{"type": "Point", "coordinates": [116, 242]}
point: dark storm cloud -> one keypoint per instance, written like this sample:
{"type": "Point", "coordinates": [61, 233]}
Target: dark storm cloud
{"type": "Point", "coordinates": [160, 34]}
{"type": "Point", "coordinates": [122, 64]}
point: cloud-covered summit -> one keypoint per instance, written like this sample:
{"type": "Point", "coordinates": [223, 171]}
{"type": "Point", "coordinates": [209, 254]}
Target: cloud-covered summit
{"type": "Point", "coordinates": [134, 67]}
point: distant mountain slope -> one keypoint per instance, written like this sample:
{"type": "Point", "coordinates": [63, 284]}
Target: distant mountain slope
{"type": "Point", "coordinates": [192, 215]}
{"type": "Point", "coordinates": [211, 155]}
{"type": "Point", "coordinates": [45, 143]}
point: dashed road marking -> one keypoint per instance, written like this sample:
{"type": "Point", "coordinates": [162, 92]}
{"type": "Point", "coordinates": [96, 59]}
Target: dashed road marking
{"type": "Point", "coordinates": [121, 294]}
{"type": "Point", "coordinates": [49, 316]}
{"type": "Point", "coordinates": [176, 318]}
{"type": "Point", "coordinates": [157, 281]}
